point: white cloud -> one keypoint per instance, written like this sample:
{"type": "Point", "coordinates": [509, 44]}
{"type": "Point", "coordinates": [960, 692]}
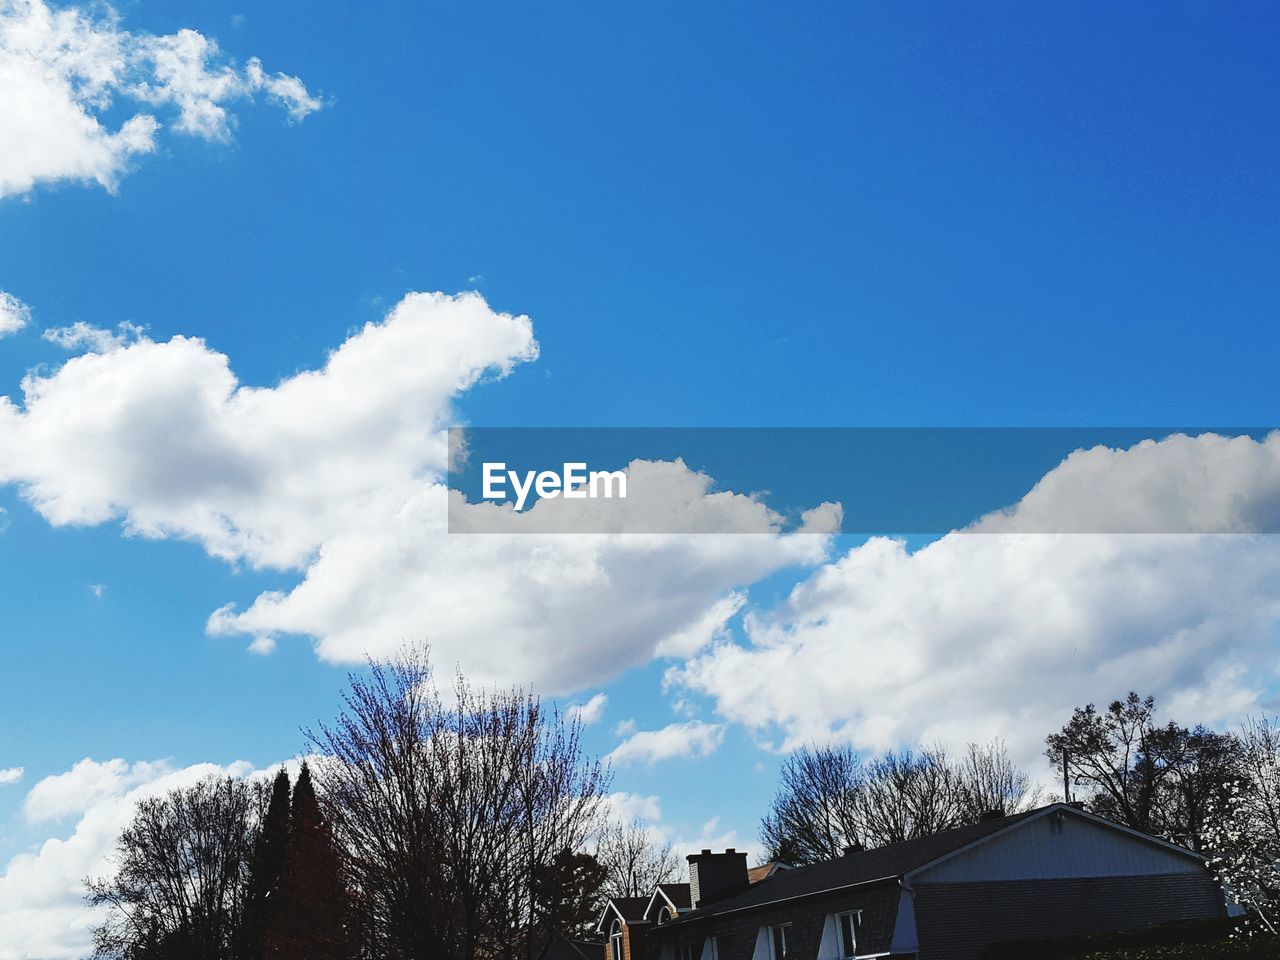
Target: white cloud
{"type": "Point", "coordinates": [1180, 484]}
{"type": "Point", "coordinates": [42, 911]}
{"type": "Point", "coordinates": [978, 635]}
{"type": "Point", "coordinates": [10, 775]}
{"type": "Point", "coordinates": [14, 314]}
{"type": "Point", "coordinates": [83, 336]}
{"type": "Point", "coordinates": [627, 807]}
{"type": "Point", "coordinates": [691, 740]}
{"type": "Point", "coordinates": [338, 473]}
{"type": "Point", "coordinates": [62, 70]}
{"type": "Point", "coordinates": [713, 626]}
{"type": "Point", "coordinates": [589, 712]}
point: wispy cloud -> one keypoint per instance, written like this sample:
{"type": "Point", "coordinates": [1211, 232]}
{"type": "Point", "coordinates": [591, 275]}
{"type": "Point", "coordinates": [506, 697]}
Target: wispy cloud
{"type": "Point", "coordinates": [14, 314]}
{"type": "Point", "coordinates": [691, 739]}
{"type": "Point", "coordinates": [589, 712]}
{"type": "Point", "coordinates": [65, 68]}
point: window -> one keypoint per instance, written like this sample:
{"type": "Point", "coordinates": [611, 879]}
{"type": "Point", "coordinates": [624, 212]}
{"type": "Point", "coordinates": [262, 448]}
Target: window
{"type": "Point", "coordinates": [665, 914]}
{"type": "Point", "coordinates": [850, 927]}
{"type": "Point", "coordinates": [615, 941]}
{"type": "Point", "coordinates": [778, 937]}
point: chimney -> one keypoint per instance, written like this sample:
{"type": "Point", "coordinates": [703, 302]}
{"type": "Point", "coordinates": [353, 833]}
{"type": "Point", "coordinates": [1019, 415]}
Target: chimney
{"type": "Point", "coordinates": [995, 813]}
{"type": "Point", "coordinates": [714, 876]}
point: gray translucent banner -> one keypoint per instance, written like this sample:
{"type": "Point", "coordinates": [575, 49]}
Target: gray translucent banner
{"type": "Point", "coordinates": [901, 481]}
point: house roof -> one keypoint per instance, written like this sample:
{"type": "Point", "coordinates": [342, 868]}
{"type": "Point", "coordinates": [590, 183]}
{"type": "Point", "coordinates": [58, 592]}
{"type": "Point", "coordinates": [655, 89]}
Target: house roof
{"type": "Point", "coordinates": [566, 949]}
{"type": "Point", "coordinates": [882, 863]}
{"type": "Point", "coordinates": [629, 909]}
{"type": "Point", "coordinates": [766, 870]}
{"type": "Point", "coordinates": [873, 877]}
{"type": "Point", "coordinates": [891, 862]}
{"type": "Point", "coordinates": [674, 895]}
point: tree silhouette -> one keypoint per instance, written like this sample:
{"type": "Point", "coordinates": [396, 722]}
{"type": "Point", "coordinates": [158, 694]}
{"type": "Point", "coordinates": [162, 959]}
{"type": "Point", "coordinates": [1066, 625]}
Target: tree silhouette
{"type": "Point", "coordinates": [308, 921]}
{"type": "Point", "coordinates": [266, 870]}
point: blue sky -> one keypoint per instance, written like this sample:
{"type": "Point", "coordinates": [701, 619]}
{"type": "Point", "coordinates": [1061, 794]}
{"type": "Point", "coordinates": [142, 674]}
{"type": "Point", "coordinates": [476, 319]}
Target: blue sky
{"type": "Point", "coordinates": [826, 214]}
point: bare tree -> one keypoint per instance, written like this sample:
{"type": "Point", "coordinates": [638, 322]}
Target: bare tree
{"type": "Point", "coordinates": [183, 867]}
{"type": "Point", "coordinates": [909, 795]}
{"type": "Point", "coordinates": [634, 861]}
{"type": "Point", "coordinates": [829, 801]}
{"type": "Point", "coordinates": [449, 815]}
{"type": "Point", "coordinates": [990, 782]}
{"type": "Point", "coordinates": [816, 813]}
{"type": "Point", "coordinates": [1260, 769]}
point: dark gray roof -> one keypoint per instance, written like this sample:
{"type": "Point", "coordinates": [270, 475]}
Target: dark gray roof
{"type": "Point", "coordinates": [881, 863]}
{"type": "Point", "coordinates": [566, 949]}
{"type": "Point", "coordinates": [631, 908]}
{"type": "Point", "coordinates": [678, 894]}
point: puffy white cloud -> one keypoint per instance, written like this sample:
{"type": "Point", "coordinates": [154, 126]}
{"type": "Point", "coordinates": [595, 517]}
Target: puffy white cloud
{"type": "Point", "coordinates": [14, 314]}
{"type": "Point", "coordinates": [42, 911]}
{"type": "Point", "coordinates": [84, 336]}
{"type": "Point", "coordinates": [62, 70]}
{"type": "Point", "coordinates": [338, 472]}
{"type": "Point", "coordinates": [1180, 484]}
{"type": "Point", "coordinates": [10, 775]}
{"type": "Point", "coordinates": [978, 635]}
{"type": "Point", "coordinates": [178, 448]}
{"type": "Point", "coordinates": [589, 712]}
{"type": "Point", "coordinates": [690, 739]}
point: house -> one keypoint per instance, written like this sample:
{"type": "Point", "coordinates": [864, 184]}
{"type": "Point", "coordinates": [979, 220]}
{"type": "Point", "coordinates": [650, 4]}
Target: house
{"type": "Point", "coordinates": [626, 919]}
{"type": "Point", "coordinates": [1053, 871]}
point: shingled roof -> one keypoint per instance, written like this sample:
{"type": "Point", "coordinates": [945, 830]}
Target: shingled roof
{"type": "Point", "coordinates": [882, 863]}
{"type": "Point", "coordinates": [631, 909]}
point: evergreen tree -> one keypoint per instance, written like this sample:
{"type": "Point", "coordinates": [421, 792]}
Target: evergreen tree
{"type": "Point", "coordinates": [268, 867]}
{"type": "Point", "coordinates": [309, 920]}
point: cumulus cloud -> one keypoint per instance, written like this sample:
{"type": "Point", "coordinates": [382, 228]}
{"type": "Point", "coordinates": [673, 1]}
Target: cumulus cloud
{"type": "Point", "coordinates": [339, 473]}
{"type": "Point", "coordinates": [63, 71]}
{"type": "Point", "coordinates": [1179, 484]}
{"type": "Point", "coordinates": [14, 314]}
{"type": "Point", "coordinates": [690, 740]}
{"type": "Point", "coordinates": [10, 775]}
{"type": "Point", "coordinates": [973, 636]}
{"type": "Point", "coordinates": [42, 912]}
{"type": "Point", "coordinates": [589, 712]}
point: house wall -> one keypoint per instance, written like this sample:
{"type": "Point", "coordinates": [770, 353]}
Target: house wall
{"type": "Point", "coordinates": [633, 942]}
{"type": "Point", "coordinates": [807, 918]}
{"type": "Point", "coordinates": [957, 921]}
{"type": "Point", "coordinates": [1059, 847]}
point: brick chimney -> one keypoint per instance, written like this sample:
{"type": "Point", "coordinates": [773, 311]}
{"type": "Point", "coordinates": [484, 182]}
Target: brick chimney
{"type": "Point", "coordinates": [714, 876]}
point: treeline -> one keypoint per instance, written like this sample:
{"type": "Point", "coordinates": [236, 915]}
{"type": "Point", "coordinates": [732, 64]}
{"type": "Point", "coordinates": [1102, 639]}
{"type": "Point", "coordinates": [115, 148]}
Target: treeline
{"type": "Point", "coordinates": [830, 801]}
{"type": "Point", "coordinates": [478, 827]}
{"type": "Point", "coordinates": [419, 829]}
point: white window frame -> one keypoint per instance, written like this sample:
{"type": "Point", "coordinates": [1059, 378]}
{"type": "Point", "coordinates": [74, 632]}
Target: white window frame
{"type": "Point", "coordinates": [774, 930]}
{"type": "Point", "coordinates": [615, 941]}
{"type": "Point", "coordinates": [855, 927]}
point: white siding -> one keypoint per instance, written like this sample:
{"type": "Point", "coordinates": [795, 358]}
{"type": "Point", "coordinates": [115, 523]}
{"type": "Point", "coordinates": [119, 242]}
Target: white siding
{"type": "Point", "coordinates": [1051, 847]}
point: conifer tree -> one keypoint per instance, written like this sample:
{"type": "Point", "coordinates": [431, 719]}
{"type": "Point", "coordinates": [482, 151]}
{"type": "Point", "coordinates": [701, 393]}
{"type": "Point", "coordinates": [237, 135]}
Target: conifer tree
{"type": "Point", "coordinates": [266, 870]}
{"type": "Point", "coordinates": [309, 921]}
